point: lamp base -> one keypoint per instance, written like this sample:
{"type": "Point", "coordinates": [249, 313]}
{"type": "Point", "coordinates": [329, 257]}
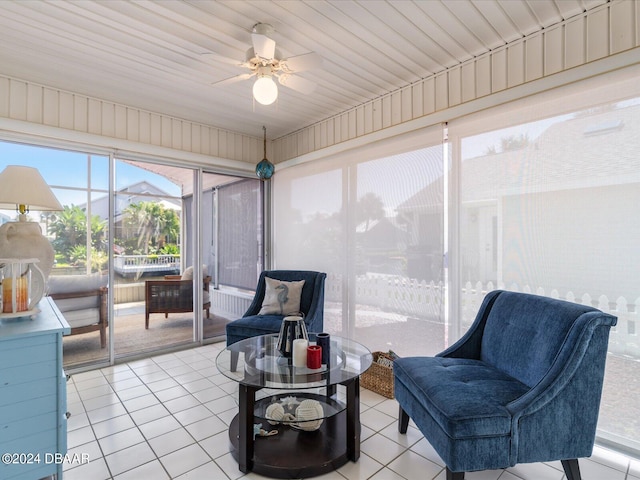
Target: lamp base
{"type": "Point", "coordinates": [25, 240]}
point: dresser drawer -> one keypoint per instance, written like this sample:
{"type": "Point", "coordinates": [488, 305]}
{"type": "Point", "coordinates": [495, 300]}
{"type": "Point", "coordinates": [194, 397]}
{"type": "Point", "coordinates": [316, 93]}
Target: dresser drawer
{"type": "Point", "coordinates": [32, 372]}
{"type": "Point", "coordinates": [9, 412]}
{"type": "Point", "coordinates": [35, 449]}
{"type": "Point", "coordinates": [18, 393]}
{"type": "Point", "coordinates": [32, 426]}
{"type": "Point", "coordinates": [20, 351]}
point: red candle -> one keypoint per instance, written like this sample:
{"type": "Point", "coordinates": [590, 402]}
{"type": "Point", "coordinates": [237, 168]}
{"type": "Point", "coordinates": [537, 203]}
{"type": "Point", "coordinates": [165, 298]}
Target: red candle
{"type": "Point", "coordinates": [314, 356]}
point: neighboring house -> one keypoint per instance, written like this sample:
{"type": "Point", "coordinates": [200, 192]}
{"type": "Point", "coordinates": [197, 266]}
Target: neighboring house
{"type": "Point", "coordinates": [142, 191]}
{"type": "Point", "coordinates": [422, 213]}
{"type": "Point", "coordinates": [491, 218]}
{"type": "Point", "coordinates": [381, 246]}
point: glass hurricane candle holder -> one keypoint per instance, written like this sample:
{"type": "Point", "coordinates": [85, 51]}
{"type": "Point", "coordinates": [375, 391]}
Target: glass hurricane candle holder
{"type": "Point", "coordinates": [22, 286]}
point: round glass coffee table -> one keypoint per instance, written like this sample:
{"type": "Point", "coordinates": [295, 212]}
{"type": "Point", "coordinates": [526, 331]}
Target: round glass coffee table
{"type": "Point", "coordinates": [328, 437]}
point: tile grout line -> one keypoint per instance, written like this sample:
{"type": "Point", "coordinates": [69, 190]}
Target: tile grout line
{"type": "Point", "coordinates": [378, 408]}
{"type": "Point", "coordinates": [160, 402]}
{"type": "Point", "coordinates": [172, 414]}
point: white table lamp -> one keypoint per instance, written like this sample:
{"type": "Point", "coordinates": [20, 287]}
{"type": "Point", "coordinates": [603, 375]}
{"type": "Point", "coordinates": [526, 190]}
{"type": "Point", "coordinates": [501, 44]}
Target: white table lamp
{"type": "Point", "coordinates": [23, 189]}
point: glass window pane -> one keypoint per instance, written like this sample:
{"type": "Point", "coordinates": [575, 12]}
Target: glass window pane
{"type": "Point", "coordinates": [240, 233]}
{"type": "Point", "coordinates": [398, 233]}
{"type": "Point", "coordinates": [373, 221]}
{"type": "Point", "coordinates": [310, 232]}
{"type": "Point", "coordinates": [54, 165]}
{"type": "Point", "coordinates": [170, 181]}
{"type": "Point", "coordinates": [548, 188]}
{"type": "Point", "coordinates": [153, 305]}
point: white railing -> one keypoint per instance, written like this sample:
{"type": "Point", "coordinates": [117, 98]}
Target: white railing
{"type": "Point", "coordinates": [424, 300]}
{"type": "Point", "coordinates": [131, 265]}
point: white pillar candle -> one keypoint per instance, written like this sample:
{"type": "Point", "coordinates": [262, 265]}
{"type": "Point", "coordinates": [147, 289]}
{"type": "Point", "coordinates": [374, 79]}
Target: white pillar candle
{"type": "Point", "coordinates": [300, 352]}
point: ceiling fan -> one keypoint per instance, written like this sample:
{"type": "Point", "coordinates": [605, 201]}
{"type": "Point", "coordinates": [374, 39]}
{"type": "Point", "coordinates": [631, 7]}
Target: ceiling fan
{"type": "Point", "coordinates": [265, 62]}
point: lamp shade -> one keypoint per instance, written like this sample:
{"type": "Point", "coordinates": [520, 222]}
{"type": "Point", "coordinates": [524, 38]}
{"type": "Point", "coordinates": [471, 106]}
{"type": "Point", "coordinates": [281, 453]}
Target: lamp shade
{"type": "Point", "coordinates": [20, 185]}
{"type": "Point", "coordinates": [265, 90]}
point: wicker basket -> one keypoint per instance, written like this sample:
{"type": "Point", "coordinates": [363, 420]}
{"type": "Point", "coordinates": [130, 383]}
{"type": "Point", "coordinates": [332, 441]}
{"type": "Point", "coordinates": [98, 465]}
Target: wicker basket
{"type": "Point", "coordinates": [379, 378]}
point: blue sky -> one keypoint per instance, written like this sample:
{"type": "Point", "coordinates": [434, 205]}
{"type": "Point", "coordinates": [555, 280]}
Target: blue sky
{"type": "Point", "coordinates": [70, 169]}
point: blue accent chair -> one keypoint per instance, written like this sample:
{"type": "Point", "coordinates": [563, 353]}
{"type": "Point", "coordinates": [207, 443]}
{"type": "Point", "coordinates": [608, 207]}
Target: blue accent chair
{"type": "Point", "coordinates": [522, 385]}
{"type": "Point", "coordinates": [311, 304]}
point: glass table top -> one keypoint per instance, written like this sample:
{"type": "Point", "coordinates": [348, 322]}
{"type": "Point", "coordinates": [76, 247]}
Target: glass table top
{"type": "Point", "coordinates": [261, 365]}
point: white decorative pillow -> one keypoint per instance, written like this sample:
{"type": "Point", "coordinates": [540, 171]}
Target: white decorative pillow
{"type": "Point", "coordinates": [188, 273]}
{"type": "Point", "coordinates": [281, 298]}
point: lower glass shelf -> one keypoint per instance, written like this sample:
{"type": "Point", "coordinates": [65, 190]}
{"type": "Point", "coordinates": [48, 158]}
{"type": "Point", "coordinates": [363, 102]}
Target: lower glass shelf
{"type": "Point", "coordinates": [303, 411]}
{"type": "Point", "coordinates": [293, 453]}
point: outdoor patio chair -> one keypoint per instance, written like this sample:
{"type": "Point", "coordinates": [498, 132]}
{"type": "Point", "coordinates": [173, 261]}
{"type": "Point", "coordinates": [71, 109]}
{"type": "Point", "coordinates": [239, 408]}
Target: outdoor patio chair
{"type": "Point", "coordinates": [522, 385]}
{"type": "Point", "coordinates": [82, 300]}
{"type": "Point", "coordinates": [174, 294]}
{"type": "Point", "coordinates": [260, 319]}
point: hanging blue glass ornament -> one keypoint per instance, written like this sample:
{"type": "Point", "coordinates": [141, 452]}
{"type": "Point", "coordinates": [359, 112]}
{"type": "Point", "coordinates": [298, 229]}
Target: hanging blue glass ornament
{"type": "Point", "coordinates": [265, 169]}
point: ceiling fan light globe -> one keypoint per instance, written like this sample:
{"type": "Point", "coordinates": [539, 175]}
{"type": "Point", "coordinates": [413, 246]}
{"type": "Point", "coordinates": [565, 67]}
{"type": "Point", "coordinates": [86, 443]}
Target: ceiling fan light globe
{"type": "Point", "coordinates": [265, 90]}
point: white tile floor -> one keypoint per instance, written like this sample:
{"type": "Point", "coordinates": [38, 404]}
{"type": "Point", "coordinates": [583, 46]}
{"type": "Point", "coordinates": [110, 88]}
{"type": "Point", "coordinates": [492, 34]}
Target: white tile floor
{"type": "Point", "coordinates": [166, 417]}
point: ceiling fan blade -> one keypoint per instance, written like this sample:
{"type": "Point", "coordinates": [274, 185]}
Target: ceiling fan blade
{"type": "Point", "coordinates": [237, 78]}
{"type": "Point", "coordinates": [300, 63]}
{"type": "Point", "coordinates": [298, 84]}
{"type": "Point", "coordinates": [263, 46]}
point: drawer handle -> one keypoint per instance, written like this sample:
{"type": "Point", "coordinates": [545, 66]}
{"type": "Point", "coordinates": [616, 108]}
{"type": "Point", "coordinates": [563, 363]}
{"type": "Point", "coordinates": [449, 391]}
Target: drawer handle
{"type": "Point", "coordinates": [68, 414]}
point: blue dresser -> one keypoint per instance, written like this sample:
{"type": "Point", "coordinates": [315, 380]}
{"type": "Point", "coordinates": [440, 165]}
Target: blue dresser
{"type": "Point", "coordinates": [33, 395]}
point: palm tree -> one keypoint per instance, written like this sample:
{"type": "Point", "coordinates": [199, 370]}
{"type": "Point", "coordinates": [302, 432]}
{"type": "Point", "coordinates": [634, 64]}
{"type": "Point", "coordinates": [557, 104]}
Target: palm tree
{"type": "Point", "coordinates": [369, 207]}
{"type": "Point", "coordinates": [154, 224]}
{"type": "Point", "coordinates": [69, 229]}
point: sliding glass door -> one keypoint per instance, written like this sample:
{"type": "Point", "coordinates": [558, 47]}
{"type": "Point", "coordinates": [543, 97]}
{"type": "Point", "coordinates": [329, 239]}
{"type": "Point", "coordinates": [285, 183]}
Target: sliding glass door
{"type": "Point", "coordinates": [79, 236]}
{"type": "Point", "coordinates": [232, 246]}
{"type": "Point", "coordinates": [373, 220]}
{"type": "Point", "coordinates": [150, 300]}
{"type": "Point", "coordinates": [153, 291]}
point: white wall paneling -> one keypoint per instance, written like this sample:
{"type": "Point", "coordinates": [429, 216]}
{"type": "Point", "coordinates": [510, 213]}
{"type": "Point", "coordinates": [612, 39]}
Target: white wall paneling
{"type": "Point", "coordinates": [468, 85]}
{"type": "Point", "coordinates": [37, 104]}
{"type": "Point", "coordinates": [534, 58]}
{"type": "Point", "coordinates": [575, 52]}
{"type": "Point", "coordinates": [599, 35]}
{"type": "Point", "coordinates": [595, 34]}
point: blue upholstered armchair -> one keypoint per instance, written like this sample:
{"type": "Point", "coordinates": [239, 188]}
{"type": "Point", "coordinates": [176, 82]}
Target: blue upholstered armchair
{"type": "Point", "coordinates": [522, 385]}
{"type": "Point", "coordinates": [253, 324]}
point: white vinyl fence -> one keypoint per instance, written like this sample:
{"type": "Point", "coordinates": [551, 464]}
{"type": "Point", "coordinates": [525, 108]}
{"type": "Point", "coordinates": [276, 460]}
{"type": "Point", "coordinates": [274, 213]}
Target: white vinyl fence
{"type": "Point", "coordinates": [422, 300]}
{"type": "Point", "coordinates": [623, 339]}
{"type": "Point", "coordinates": [425, 300]}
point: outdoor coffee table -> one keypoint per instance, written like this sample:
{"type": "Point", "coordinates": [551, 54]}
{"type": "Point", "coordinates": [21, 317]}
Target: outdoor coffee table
{"type": "Point", "coordinates": [292, 452]}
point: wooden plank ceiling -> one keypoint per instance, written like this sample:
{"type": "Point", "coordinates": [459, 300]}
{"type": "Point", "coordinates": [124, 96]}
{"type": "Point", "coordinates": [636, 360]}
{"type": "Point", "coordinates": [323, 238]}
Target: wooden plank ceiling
{"type": "Point", "coordinates": [164, 56]}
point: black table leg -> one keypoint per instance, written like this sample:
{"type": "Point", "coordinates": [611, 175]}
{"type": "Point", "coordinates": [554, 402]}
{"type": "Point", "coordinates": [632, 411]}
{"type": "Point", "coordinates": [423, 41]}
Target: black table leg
{"type": "Point", "coordinates": [247, 399]}
{"type": "Point", "coordinates": [331, 391]}
{"type": "Point", "coordinates": [353, 419]}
